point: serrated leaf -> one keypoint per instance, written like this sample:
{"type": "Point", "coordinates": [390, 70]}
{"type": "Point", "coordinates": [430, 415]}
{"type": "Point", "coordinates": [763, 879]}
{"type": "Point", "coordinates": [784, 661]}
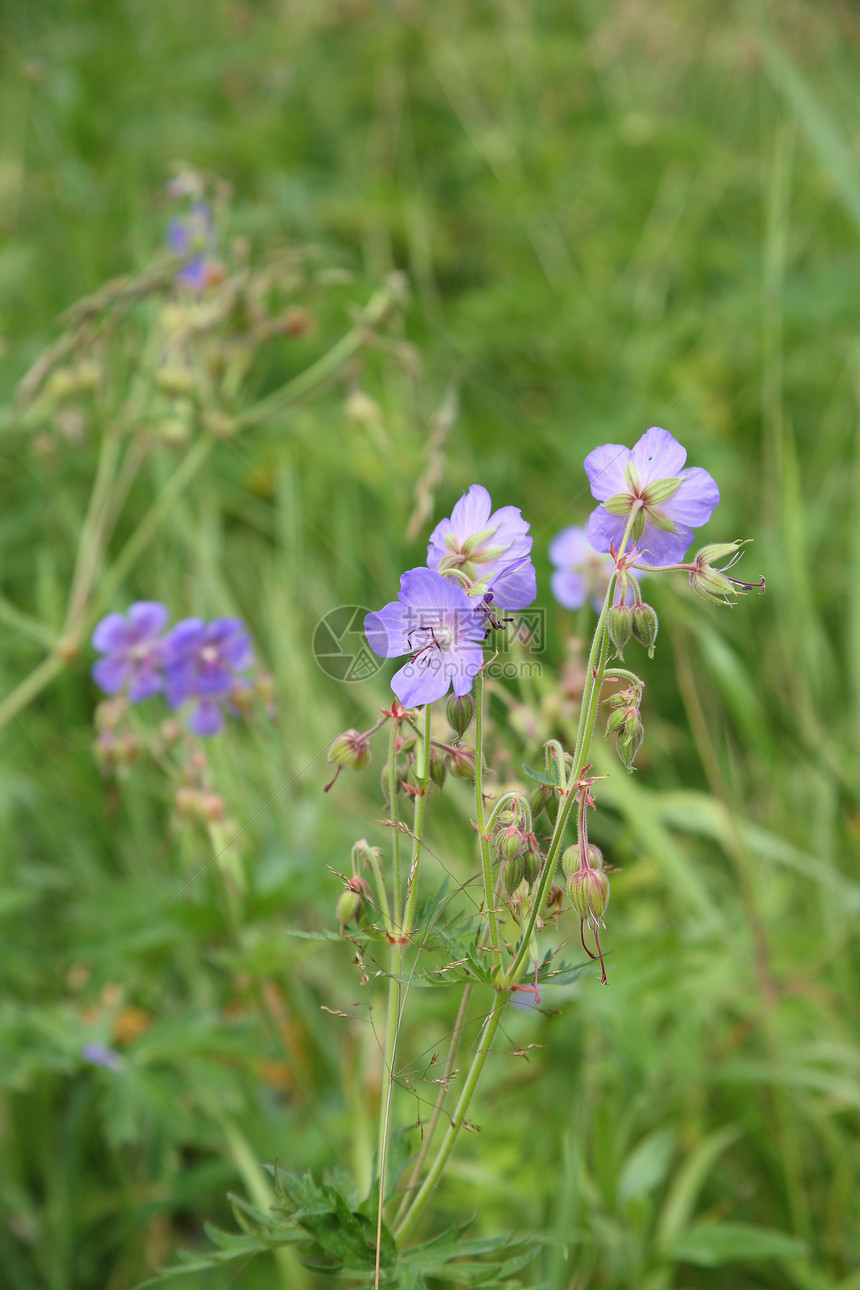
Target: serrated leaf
{"type": "Point", "coordinates": [710, 1245]}
{"type": "Point", "coordinates": [549, 781]}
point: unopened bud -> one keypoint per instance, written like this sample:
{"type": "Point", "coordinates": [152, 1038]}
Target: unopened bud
{"type": "Point", "coordinates": [537, 802]}
{"type": "Point", "coordinates": [513, 873]}
{"type": "Point", "coordinates": [364, 854]}
{"type": "Point", "coordinates": [532, 863]}
{"type": "Point", "coordinates": [594, 856]}
{"type": "Point", "coordinates": [348, 906]}
{"type": "Point", "coordinates": [350, 749]}
{"type": "Point", "coordinates": [589, 893]}
{"type": "Point", "coordinates": [509, 844]}
{"type": "Point", "coordinates": [645, 626]}
{"type": "Point", "coordinates": [629, 743]}
{"type": "Point", "coordinates": [616, 720]}
{"type": "Point", "coordinates": [438, 770]}
{"type": "Point", "coordinates": [553, 802]}
{"type": "Point", "coordinates": [619, 624]}
{"type": "Point", "coordinates": [461, 762]}
{"type": "Point", "coordinates": [109, 712]}
{"type": "Point", "coordinates": [187, 802]}
{"type": "Point", "coordinates": [569, 861]}
{"type": "Point", "coordinates": [460, 710]}
{"type": "Point", "coordinates": [211, 807]}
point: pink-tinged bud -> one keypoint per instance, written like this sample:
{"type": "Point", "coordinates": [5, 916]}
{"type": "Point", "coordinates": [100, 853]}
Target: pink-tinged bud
{"type": "Point", "coordinates": [619, 699]}
{"type": "Point", "coordinates": [532, 865]}
{"type": "Point", "coordinates": [460, 711]}
{"type": "Point", "coordinates": [645, 626]}
{"type": "Point", "coordinates": [619, 624]}
{"type": "Point", "coordinates": [211, 807]}
{"type": "Point", "coordinates": [461, 762]}
{"type": "Point", "coordinates": [350, 749]}
{"type": "Point", "coordinates": [348, 906]}
{"type": "Point", "coordinates": [513, 873]}
{"type": "Point", "coordinates": [570, 858]}
{"type": "Point", "coordinates": [364, 854]}
{"type": "Point", "coordinates": [589, 894]}
{"type": "Point", "coordinates": [109, 712]}
{"type": "Point", "coordinates": [509, 844]}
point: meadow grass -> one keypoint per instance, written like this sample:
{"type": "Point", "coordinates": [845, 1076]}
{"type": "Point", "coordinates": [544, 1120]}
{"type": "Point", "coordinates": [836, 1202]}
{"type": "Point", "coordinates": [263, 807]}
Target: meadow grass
{"type": "Point", "coordinates": [608, 217]}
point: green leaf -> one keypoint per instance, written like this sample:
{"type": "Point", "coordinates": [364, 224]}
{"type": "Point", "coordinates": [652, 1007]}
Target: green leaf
{"type": "Point", "coordinates": [550, 781]}
{"type": "Point", "coordinates": [710, 1245]}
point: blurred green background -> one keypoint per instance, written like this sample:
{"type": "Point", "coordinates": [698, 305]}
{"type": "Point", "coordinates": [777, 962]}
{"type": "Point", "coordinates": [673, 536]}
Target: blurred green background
{"type": "Point", "coordinates": [608, 216]}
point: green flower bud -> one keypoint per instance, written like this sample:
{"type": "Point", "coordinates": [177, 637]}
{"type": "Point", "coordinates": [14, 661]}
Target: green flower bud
{"type": "Point", "coordinates": [438, 770]}
{"type": "Point", "coordinates": [350, 749]}
{"type": "Point", "coordinates": [532, 864]}
{"type": "Point", "coordinates": [594, 856]}
{"type": "Point", "coordinates": [537, 802]}
{"type": "Point", "coordinates": [348, 906]}
{"type": "Point", "coordinates": [461, 762]}
{"type": "Point", "coordinates": [513, 873]}
{"type": "Point", "coordinates": [460, 710]}
{"type": "Point", "coordinates": [629, 743]}
{"type": "Point", "coordinates": [589, 894]}
{"type": "Point", "coordinates": [619, 624]}
{"type": "Point", "coordinates": [553, 802]}
{"type": "Point", "coordinates": [645, 626]}
{"type": "Point", "coordinates": [569, 861]}
{"type": "Point", "coordinates": [509, 844]}
{"type": "Point", "coordinates": [616, 720]}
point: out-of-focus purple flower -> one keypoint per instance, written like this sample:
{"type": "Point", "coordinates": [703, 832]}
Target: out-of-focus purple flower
{"type": "Point", "coordinates": [581, 573]}
{"type": "Point", "coordinates": [194, 231]}
{"type": "Point", "coordinates": [484, 551]}
{"type": "Point", "coordinates": [133, 650]}
{"type": "Point", "coordinates": [435, 621]}
{"type": "Point", "coordinates": [669, 502]}
{"type": "Point", "coordinates": [203, 662]}
{"type": "Point", "coordinates": [101, 1055]}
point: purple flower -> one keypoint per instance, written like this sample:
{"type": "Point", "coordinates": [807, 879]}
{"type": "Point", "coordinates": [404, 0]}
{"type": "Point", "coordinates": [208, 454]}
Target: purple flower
{"type": "Point", "coordinates": [101, 1055]}
{"type": "Point", "coordinates": [485, 552]}
{"type": "Point", "coordinates": [203, 662]}
{"type": "Point", "coordinates": [134, 652]}
{"type": "Point", "coordinates": [648, 478]}
{"type": "Point", "coordinates": [581, 573]}
{"type": "Point", "coordinates": [193, 232]}
{"type": "Point", "coordinates": [436, 622]}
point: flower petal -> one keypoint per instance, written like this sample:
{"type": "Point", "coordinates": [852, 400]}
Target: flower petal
{"type": "Point", "coordinates": [472, 513]}
{"type": "Point", "coordinates": [387, 630]}
{"type": "Point", "coordinates": [470, 660]}
{"type": "Point", "coordinates": [604, 528]}
{"type": "Point", "coordinates": [657, 547]}
{"type": "Point", "coordinates": [515, 588]}
{"type": "Point", "coordinates": [421, 681]}
{"type": "Point", "coordinates": [658, 455]}
{"type": "Point", "coordinates": [110, 673]}
{"type": "Point", "coordinates": [205, 718]}
{"type": "Point", "coordinates": [605, 470]}
{"type": "Point", "coordinates": [569, 547]}
{"type": "Point", "coordinates": [145, 681]}
{"type": "Point", "coordinates": [111, 635]}
{"type": "Point", "coordinates": [695, 500]}
{"type": "Point", "coordinates": [569, 589]}
{"type": "Point", "coordinates": [147, 619]}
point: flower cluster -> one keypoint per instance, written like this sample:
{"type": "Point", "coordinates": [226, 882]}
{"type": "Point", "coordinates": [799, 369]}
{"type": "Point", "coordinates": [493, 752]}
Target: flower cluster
{"type": "Point", "coordinates": [194, 234]}
{"type": "Point", "coordinates": [200, 663]}
{"type": "Point", "coordinates": [478, 561]}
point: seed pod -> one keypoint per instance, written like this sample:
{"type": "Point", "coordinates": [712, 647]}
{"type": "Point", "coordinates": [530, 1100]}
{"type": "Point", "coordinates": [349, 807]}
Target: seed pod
{"type": "Point", "coordinates": [537, 802]}
{"type": "Point", "coordinates": [570, 861]}
{"type": "Point", "coordinates": [645, 626]}
{"type": "Point", "coordinates": [460, 710]}
{"type": "Point", "coordinates": [532, 864]}
{"type": "Point", "coordinates": [350, 749]}
{"type": "Point", "coordinates": [437, 770]}
{"type": "Point", "coordinates": [552, 805]}
{"type": "Point", "coordinates": [509, 843]}
{"type": "Point", "coordinates": [589, 893]}
{"type": "Point", "coordinates": [513, 873]}
{"type": "Point", "coordinates": [628, 745]}
{"type": "Point", "coordinates": [619, 624]}
{"type": "Point", "coordinates": [461, 762]}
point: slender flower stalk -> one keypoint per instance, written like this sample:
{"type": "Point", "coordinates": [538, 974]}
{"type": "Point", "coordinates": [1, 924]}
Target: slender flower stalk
{"type": "Point", "coordinates": [483, 840]}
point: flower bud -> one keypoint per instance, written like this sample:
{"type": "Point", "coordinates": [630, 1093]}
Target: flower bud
{"type": "Point", "coordinates": [616, 720]}
{"type": "Point", "coordinates": [532, 864]}
{"type": "Point", "coordinates": [438, 769]}
{"type": "Point", "coordinates": [348, 906]}
{"type": "Point", "coordinates": [109, 712]}
{"type": "Point", "coordinates": [569, 861]}
{"type": "Point", "coordinates": [513, 873]}
{"type": "Point", "coordinates": [553, 802]}
{"type": "Point", "coordinates": [589, 893]}
{"type": "Point", "coordinates": [461, 762]}
{"type": "Point", "coordinates": [629, 743]}
{"type": "Point", "coordinates": [594, 856]}
{"type": "Point", "coordinates": [509, 844]}
{"type": "Point", "coordinates": [350, 749]}
{"type": "Point", "coordinates": [537, 802]}
{"type": "Point", "coordinates": [645, 626]}
{"type": "Point", "coordinates": [619, 624]}
{"type": "Point", "coordinates": [460, 710]}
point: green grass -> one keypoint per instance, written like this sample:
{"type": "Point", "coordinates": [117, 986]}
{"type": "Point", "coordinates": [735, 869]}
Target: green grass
{"type": "Point", "coordinates": [609, 217]}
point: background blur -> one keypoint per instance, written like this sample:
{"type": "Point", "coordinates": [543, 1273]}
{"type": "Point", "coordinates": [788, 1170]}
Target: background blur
{"type": "Point", "coordinates": [609, 217]}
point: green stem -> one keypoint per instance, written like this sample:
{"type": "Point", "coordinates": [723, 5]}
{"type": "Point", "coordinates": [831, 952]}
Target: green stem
{"type": "Point", "coordinates": [422, 776]}
{"type": "Point", "coordinates": [485, 1043]}
{"type": "Point", "coordinates": [483, 841]}
{"type": "Point", "coordinates": [392, 807]}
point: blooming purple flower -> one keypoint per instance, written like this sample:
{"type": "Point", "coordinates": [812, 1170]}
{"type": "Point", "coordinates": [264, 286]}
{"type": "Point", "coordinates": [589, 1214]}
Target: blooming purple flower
{"type": "Point", "coordinates": [203, 662]}
{"type": "Point", "coordinates": [435, 621]}
{"type": "Point", "coordinates": [649, 479]}
{"type": "Point", "coordinates": [581, 573]}
{"type": "Point", "coordinates": [484, 552]}
{"type": "Point", "coordinates": [134, 652]}
{"type": "Point", "coordinates": [193, 232]}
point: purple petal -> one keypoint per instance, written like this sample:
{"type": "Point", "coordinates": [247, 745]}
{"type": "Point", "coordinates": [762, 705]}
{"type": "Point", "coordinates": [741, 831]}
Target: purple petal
{"type": "Point", "coordinates": [193, 274]}
{"type": "Point", "coordinates": [695, 500]}
{"type": "Point", "coordinates": [111, 635]}
{"type": "Point", "coordinates": [110, 674]}
{"type": "Point", "coordinates": [206, 718]}
{"type": "Point", "coordinates": [185, 638]}
{"type": "Point", "coordinates": [569, 547]}
{"type": "Point", "coordinates": [421, 681]}
{"type": "Point", "coordinates": [233, 639]}
{"type": "Point", "coordinates": [511, 530]}
{"type": "Point", "coordinates": [180, 685]}
{"type": "Point", "coordinates": [470, 660]}
{"type": "Point", "coordinates": [569, 589]}
{"type": "Point", "coordinates": [147, 618]}
{"type": "Point", "coordinates": [605, 470]}
{"type": "Point", "coordinates": [658, 455]}
{"type": "Point", "coordinates": [471, 513]}
{"type": "Point", "coordinates": [213, 680]}
{"type": "Point", "coordinates": [145, 682]}
{"type": "Point", "coordinates": [516, 588]}
{"type": "Point", "coordinates": [657, 547]}
{"type": "Point", "coordinates": [604, 528]}
{"type": "Point", "coordinates": [387, 630]}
